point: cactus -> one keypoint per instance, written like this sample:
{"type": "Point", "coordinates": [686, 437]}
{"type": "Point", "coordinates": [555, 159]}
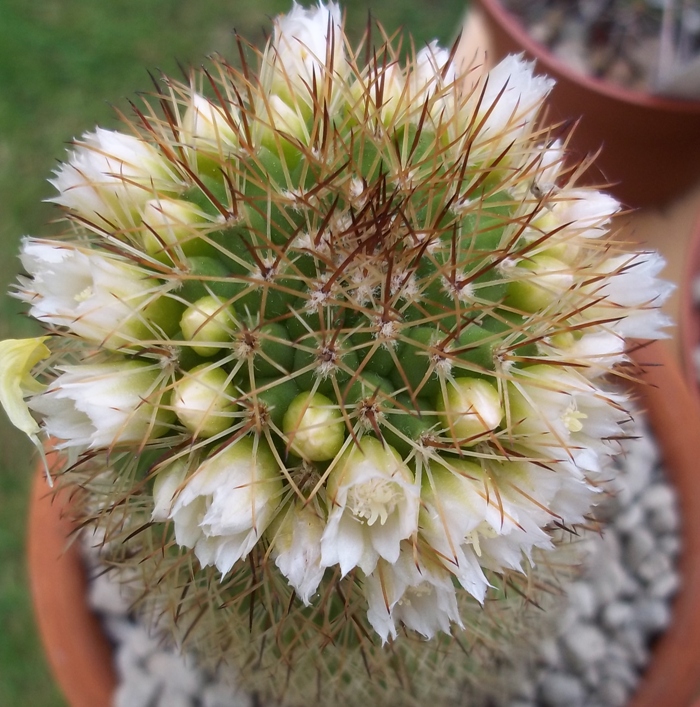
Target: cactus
{"type": "Point", "coordinates": [327, 343]}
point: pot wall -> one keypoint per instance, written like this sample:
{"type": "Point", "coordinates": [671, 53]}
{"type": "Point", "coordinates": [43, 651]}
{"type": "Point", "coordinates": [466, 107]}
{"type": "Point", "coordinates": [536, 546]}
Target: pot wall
{"type": "Point", "coordinates": [78, 652]}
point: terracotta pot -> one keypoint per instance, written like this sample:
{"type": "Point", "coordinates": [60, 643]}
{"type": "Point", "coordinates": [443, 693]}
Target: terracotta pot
{"type": "Point", "coordinates": [650, 144]}
{"type": "Point", "coordinates": [690, 311]}
{"type": "Point", "coordinates": [80, 656]}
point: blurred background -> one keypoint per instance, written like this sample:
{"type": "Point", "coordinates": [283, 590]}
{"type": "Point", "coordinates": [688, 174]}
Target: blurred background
{"type": "Point", "coordinates": [64, 67]}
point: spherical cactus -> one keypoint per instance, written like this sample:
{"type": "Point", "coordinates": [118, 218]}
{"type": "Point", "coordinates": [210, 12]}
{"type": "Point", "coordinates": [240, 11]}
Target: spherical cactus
{"type": "Point", "coordinates": [327, 340]}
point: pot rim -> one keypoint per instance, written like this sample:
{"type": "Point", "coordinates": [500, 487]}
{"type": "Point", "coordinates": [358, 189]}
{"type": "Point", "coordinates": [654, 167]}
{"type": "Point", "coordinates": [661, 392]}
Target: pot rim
{"type": "Point", "coordinates": [551, 65]}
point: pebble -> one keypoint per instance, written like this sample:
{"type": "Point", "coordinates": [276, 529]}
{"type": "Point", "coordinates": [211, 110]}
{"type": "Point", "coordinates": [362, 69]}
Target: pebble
{"type": "Point", "coordinates": [224, 696]}
{"type": "Point", "coordinates": [582, 596]}
{"type": "Point", "coordinates": [630, 519]}
{"type": "Point", "coordinates": [170, 697]}
{"type": "Point", "coordinates": [658, 496]}
{"type": "Point", "coordinates": [664, 587]}
{"type": "Point", "coordinates": [664, 520]}
{"type": "Point", "coordinates": [614, 693]}
{"type": "Point", "coordinates": [172, 670]}
{"type": "Point", "coordinates": [106, 597]}
{"type": "Point", "coordinates": [560, 689]}
{"type": "Point", "coordinates": [652, 615]}
{"type": "Point", "coordinates": [654, 566]}
{"type": "Point", "coordinates": [584, 645]}
{"type": "Point", "coordinates": [593, 657]}
{"type": "Point", "coordinates": [617, 614]}
{"type": "Point", "coordinates": [138, 690]}
{"type": "Point", "coordinates": [641, 544]}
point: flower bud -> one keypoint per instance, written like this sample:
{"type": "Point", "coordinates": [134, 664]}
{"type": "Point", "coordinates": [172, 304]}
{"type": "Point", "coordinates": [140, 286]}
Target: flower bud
{"type": "Point", "coordinates": [381, 93]}
{"type": "Point", "coordinates": [282, 120]}
{"type": "Point", "coordinates": [168, 223]}
{"type": "Point", "coordinates": [471, 409]}
{"type": "Point", "coordinates": [314, 426]}
{"type": "Point", "coordinates": [427, 83]}
{"type": "Point", "coordinates": [539, 282]}
{"type": "Point", "coordinates": [206, 129]}
{"type": "Point", "coordinates": [208, 323]}
{"type": "Point", "coordinates": [203, 400]}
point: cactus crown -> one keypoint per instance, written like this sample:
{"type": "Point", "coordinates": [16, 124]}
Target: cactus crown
{"type": "Point", "coordinates": [327, 347]}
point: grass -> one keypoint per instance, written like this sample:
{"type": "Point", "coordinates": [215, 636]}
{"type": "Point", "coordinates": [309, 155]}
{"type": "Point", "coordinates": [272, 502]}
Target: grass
{"type": "Point", "coordinates": [61, 64]}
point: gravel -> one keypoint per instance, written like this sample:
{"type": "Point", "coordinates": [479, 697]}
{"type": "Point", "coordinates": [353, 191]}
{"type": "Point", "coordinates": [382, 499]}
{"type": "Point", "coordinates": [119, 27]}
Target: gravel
{"type": "Point", "coordinates": [594, 656]}
{"type": "Point", "coordinates": [619, 41]}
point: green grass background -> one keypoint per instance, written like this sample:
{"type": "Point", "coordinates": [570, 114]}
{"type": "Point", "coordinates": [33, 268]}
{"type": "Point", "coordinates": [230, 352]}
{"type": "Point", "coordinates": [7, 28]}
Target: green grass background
{"type": "Point", "coordinates": [64, 64]}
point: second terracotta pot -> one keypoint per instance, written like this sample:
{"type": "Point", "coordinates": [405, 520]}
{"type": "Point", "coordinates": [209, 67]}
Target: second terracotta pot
{"type": "Point", "coordinates": [650, 144]}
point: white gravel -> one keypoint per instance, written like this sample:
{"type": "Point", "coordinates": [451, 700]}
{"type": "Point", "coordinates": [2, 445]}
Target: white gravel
{"type": "Point", "coordinates": [594, 658]}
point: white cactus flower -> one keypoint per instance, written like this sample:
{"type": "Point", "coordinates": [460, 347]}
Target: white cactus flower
{"type": "Point", "coordinates": [109, 176]}
{"type": "Point", "coordinates": [534, 496]}
{"type": "Point", "coordinates": [223, 508]}
{"type": "Point", "coordinates": [167, 485]}
{"type": "Point", "coordinates": [17, 359]}
{"type": "Point", "coordinates": [632, 295]}
{"type": "Point", "coordinates": [512, 97]}
{"type": "Point", "coordinates": [585, 211]}
{"type": "Point", "coordinates": [102, 405]}
{"type": "Point", "coordinates": [409, 591]}
{"type": "Point", "coordinates": [595, 353]}
{"type": "Point", "coordinates": [296, 549]}
{"type": "Point", "coordinates": [571, 216]}
{"type": "Point", "coordinates": [454, 503]}
{"type": "Point", "coordinates": [561, 412]}
{"type": "Point", "coordinates": [474, 520]}
{"type": "Point", "coordinates": [430, 76]}
{"type": "Point", "coordinates": [382, 93]}
{"type": "Point", "coordinates": [373, 506]}
{"type": "Point", "coordinates": [306, 46]}
{"type": "Point", "coordinates": [99, 297]}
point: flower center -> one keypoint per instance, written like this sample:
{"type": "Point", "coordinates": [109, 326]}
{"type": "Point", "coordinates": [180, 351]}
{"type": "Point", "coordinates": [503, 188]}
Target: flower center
{"type": "Point", "coordinates": [572, 418]}
{"type": "Point", "coordinates": [373, 500]}
{"type": "Point", "coordinates": [84, 295]}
